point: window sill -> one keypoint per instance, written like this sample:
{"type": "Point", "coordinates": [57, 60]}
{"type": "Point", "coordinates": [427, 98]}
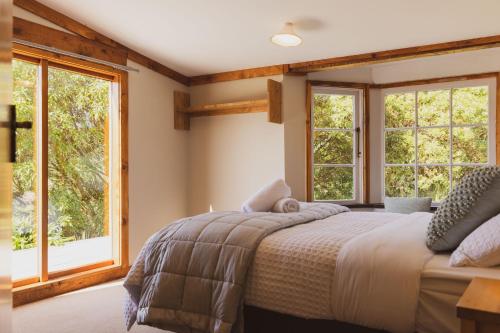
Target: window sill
{"type": "Point", "coordinates": [41, 290]}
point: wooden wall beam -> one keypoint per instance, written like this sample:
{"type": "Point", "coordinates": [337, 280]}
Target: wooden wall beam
{"type": "Point", "coordinates": [82, 30]}
{"type": "Point", "coordinates": [41, 34]}
{"type": "Point", "coordinates": [238, 75]}
{"type": "Point", "coordinates": [396, 54]}
{"type": "Point", "coordinates": [181, 119]}
{"type": "Point", "coordinates": [274, 101]}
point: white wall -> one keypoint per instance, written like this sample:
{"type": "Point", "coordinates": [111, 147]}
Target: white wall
{"type": "Point", "coordinates": [158, 156]}
{"type": "Point", "coordinates": [294, 112]}
{"type": "Point", "coordinates": [157, 153]}
{"type": "Point", "coordinates": [232, 156]}
{"type": "Point", "coordinates": [358, 74]}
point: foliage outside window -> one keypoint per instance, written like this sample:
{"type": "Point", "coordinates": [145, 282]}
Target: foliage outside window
{"type": "Point", "coordinates": [432, 138]}
{"type": "Point", "coordinates": [79, 170]}
{"type": "Point", "coordinates": [334, 141]}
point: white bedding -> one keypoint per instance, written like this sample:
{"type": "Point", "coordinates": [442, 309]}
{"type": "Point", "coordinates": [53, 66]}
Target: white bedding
{"type": "Point", "coordinates": [441, 288]}
{"type": "Point", "coordinates": [315, 270]}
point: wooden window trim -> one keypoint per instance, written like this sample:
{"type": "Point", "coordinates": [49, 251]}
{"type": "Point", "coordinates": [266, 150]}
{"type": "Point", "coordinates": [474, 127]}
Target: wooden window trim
{"type": "Point", "coordinates": [56, 283]}
{"type": "Point", "coordinates": [365, 172]}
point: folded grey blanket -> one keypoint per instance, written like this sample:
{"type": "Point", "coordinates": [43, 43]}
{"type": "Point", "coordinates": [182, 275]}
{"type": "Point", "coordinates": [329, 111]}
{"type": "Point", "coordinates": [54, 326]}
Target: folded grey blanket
{"type": "Point", "coordinates": [190, 276]}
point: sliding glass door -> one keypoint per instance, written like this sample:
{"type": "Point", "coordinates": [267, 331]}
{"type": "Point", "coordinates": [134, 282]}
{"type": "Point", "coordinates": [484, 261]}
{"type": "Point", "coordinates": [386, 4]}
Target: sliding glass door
{"type": "Point", "coordinates": [63, 199]}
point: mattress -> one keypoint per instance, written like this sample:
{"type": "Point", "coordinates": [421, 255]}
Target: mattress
{"type": "Point", "coordinates": [441, 286]}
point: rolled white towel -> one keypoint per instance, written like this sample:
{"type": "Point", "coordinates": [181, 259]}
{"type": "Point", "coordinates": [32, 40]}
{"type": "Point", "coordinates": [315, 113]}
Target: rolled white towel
{"type": "Point", "coordinates": [286, 205]}
{"type": "Point", "coordinates": [266, 197]}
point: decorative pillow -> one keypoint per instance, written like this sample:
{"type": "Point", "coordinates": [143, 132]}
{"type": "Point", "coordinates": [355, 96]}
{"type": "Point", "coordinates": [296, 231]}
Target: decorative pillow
{"type": "Point", "coordinates": [407, 205]}
{"type": "Point", "coordinates": [481, 248]}
{"type": "Point", "coordinates": [474, 200]}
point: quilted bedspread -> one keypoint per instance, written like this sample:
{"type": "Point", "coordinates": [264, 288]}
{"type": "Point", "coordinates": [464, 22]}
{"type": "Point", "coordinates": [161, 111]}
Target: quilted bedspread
{"type": "Point", "coordinates": [191, 275]}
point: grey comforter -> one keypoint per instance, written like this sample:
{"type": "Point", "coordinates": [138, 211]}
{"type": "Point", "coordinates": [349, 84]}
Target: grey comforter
{"type": "Point", "coordinates": [190, 276]}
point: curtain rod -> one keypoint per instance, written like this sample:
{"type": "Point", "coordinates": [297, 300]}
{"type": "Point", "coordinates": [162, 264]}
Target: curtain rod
{"type": "Point", "coordinates": [74, 55]}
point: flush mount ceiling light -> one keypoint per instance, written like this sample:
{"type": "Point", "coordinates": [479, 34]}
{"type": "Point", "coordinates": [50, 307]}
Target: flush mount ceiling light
{"type": "Point", "coordinates": [286, 37]}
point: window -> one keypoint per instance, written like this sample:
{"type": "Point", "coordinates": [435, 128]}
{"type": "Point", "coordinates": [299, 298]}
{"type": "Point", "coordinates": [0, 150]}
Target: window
{"type": "Point", "coordinates": [69, 185]}
{"type": "Point", "coordinates": [336, 148]}
{"type": "Point", "coordinates": [433, 136]}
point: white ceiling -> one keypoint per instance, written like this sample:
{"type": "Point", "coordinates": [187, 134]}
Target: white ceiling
{"type": "Point", "coordinates": [207, 36]}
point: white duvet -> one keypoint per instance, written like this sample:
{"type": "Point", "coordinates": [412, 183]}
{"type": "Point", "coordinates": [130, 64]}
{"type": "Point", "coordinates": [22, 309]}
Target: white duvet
{"type": "Point", "coordinates": [362, 268]}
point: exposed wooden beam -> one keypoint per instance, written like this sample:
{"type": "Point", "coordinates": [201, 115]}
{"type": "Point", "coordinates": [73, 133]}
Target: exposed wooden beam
{"type": "Point", "coordinates": [157, 67]}
{"type": "Point", "coordinates": [290, 69]}
{"type": "Point", "coordinates": [82, 30]}
{"type": "Point", "coordinates": [434, 80]}
{"type": "Point", "coordinates": [396, 54]}
{"type": "Point", "coordinates": [41, 34]}
{"type": "Point", "coordinates": [181, 119]}
{"type": "Point", "coordinates": [64, 21]}
{"type": "Point", "coordinates": [274, 101]}
{"type": "Point", "coordinates": [239, 74]}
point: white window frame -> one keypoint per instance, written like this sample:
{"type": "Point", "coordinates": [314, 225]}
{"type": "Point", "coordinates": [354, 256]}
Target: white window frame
{"type": "Point", "coordinates": [491, 124]}
{"type": "Point", "coordinates": [358, 141]}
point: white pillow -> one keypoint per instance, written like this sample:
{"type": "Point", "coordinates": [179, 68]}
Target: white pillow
{"type": "Point", "coordinates": [481, 248]}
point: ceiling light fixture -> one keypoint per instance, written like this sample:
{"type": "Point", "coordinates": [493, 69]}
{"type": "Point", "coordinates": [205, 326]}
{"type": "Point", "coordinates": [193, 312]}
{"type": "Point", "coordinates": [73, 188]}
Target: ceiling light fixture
{"type": "Point", "coordinates": [286, 37]}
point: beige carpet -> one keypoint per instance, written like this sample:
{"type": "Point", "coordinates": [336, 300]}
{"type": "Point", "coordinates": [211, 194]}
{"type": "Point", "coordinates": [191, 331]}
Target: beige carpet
{"type": "Point", "coordinates": [92, 310]}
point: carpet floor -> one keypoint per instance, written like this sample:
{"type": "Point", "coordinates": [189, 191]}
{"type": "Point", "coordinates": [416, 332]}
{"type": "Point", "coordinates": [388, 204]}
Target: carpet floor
{"type": "Point", "coordinates": [97, 309]}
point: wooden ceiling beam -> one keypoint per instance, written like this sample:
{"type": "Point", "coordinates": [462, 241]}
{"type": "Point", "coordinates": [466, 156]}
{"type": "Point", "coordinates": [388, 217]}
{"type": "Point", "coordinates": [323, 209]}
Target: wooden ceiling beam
{"type": "Point", "coordinates": [396, 54]}
{"type": "Point", "coordinates": [82, 30]}
{"type": "Point", "coordinates": [40, 34]}
{"type": "Point", "coordinates": [290, 69]}
{"type": "Point", "coordinates": [238, 74]}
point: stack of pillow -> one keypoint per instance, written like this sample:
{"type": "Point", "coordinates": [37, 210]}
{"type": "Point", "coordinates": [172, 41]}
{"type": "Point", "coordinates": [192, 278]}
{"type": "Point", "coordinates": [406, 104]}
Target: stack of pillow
{"type": "Point", "coordinates": [468, 221]}
{"type": "Point", "coordinates": [275, 197]}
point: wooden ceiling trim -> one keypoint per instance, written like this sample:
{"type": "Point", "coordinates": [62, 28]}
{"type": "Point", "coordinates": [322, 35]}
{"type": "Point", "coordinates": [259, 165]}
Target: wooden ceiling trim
{"type": "Point", "coordinates": [290, 69]}
{"type": "Point", "coordinates": [396, 54]}
{"type": "Point", "coordinates": [40, 34]}
{"type": "Point", "coordinates": [64, 21]}
{"type": "Point", "coordinates": [82, 30]}
{"type": "Point", "coordinates": [238, 74]}
{"type": "Point", "coordinates": [434, 80]}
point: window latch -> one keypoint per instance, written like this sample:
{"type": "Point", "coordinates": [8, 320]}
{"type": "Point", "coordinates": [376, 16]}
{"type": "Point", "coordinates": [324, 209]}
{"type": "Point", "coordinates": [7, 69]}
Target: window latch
{"type": "Point", "coordinates": [12, 124]}
{"type": "Point", "coordinates": [358, 144]}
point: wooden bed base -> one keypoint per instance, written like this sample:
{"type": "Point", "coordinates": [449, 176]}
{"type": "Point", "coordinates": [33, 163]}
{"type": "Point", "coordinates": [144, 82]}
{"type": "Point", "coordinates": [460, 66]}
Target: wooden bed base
{"type": "Point", "coordinates": [258, 320]}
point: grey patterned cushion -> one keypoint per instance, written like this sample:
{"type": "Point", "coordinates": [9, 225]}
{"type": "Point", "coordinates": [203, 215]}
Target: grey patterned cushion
{"type": "Point", "coordinates": [407, 205]}
{"type": "Point", "coordinates": [473, 201]}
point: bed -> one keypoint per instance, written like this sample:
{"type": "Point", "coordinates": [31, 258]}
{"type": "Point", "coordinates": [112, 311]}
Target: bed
{"type": "Point", "coordinates": [344, 271]}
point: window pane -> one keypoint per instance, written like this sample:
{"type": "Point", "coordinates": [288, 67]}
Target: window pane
{"type": "Point", "coordinates": [400, 147]}
{"type": "Point", "coordinates": [333, 147]}
{"type": "Point", "coordinates": [434, 182]}
{"type": "Point", "coordinates": [333, 183]}
{"type": "Point", "coordinates": [79, 231]}
{"type": "Point", "coordinates": [400, 110]}
{"type": "Point", "coordinates": [460, 171]}
{"type": "Point", "coordinates": [333, 111]}
{"type": "Point", "coordinates": [400, 181]}
{"type": "Point", "coordinates": [470, 105]}
{"type": "Point", "coordinates": [470, 144]}
{"type": "Point", "coordinates": [433, 108]}
{"type": "Point", "coordinates": [434, 145]}
{"type": "Point", "coordinates": [24, 235]}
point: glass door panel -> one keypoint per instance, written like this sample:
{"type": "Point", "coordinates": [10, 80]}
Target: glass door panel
{"type": "Point", "coordinates": [78, 170]}
{"type": "Point", "coordinates": [24, 232]}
